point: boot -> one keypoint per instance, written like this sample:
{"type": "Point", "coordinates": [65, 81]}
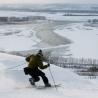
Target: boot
{"type": "Point", "coordinates": [32, 81]}
{"type": "Point", "coordinates": [47, 85]}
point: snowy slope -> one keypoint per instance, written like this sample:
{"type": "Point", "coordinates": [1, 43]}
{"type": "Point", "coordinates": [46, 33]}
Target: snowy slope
{"type": "Point", "coordinates": [13, 82]}
{"type": "Point", "coordinates": [84, 39]}
{"type": "Point", "coordinates": [17, 37]}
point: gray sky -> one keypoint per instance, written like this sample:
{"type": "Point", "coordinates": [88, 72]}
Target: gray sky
{"type": "Point", "coordinates": [49, 1]}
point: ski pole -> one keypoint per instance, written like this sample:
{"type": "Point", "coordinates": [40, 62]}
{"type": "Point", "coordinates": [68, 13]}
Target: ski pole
{"type": "Point", "coordinates": [52, 76]}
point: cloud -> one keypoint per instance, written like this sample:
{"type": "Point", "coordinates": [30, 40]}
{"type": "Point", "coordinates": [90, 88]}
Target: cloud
{"type": "Point", "coordinates": [49, 1]}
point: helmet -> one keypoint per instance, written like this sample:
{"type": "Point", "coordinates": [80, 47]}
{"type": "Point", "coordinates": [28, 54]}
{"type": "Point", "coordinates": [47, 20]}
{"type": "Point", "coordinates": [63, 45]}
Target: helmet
{"type": "Point", "coordinates": [39, 54]}
{"type": "Point", "coordinates": [40, 51]}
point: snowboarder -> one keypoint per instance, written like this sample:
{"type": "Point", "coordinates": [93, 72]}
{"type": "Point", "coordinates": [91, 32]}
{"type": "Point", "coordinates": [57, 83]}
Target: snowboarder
{"type": "Point", "coordinates": [35, 63]}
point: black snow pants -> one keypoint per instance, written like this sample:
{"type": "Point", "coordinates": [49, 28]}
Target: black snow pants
{"type": "Point", "coordinates": [36, 73]}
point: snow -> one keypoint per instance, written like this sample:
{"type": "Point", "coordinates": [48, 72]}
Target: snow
{"type": "Point", "coordinates": [70, 18]}
{"type": "Point", "coordinates": [13, 82]}
{"type": "Point", "coordinates": [24, 35]}
{"type": "Point", "coordinates": [15, 13]}
{"type": "Point", "coordinates": [84, 39]}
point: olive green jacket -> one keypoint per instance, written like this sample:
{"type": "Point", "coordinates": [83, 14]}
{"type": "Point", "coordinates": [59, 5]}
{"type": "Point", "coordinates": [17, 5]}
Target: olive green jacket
{"type": "Point", "coordinates": [35, 62]}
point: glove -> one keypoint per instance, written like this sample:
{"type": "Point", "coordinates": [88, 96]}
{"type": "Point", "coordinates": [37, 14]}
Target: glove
{"type": "Point", "coordinates": [26, 70]}
{"type": "Point", "coordinates": [48, 65]}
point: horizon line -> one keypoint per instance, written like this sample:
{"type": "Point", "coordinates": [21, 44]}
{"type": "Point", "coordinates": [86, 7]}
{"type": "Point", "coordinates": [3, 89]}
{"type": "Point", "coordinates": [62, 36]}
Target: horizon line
{"type": "Point", "coordinates": [47, 3]}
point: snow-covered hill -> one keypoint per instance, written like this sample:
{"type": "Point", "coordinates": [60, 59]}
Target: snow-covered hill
{"type": "Point", "coordinates": [24, 39]}
{"type": "Point", "coordinates": [13, 82]}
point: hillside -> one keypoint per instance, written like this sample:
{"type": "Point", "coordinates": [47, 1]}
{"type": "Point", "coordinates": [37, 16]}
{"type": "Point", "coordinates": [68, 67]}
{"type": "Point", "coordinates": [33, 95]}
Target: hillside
{"type": "Point", "coordinates": [13, 82]}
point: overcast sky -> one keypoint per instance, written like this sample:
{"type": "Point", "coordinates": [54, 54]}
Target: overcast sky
{"type": "Point", "coordinates": [49, 1]}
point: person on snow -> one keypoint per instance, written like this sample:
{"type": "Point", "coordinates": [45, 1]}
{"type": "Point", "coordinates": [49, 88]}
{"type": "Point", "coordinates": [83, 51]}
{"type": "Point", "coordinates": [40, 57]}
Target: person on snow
{"type": "Point", "coordinates": [35, 63]}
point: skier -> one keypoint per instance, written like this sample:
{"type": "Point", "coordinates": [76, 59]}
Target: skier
{"type": "Point", "coordinates": [35, 63]}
